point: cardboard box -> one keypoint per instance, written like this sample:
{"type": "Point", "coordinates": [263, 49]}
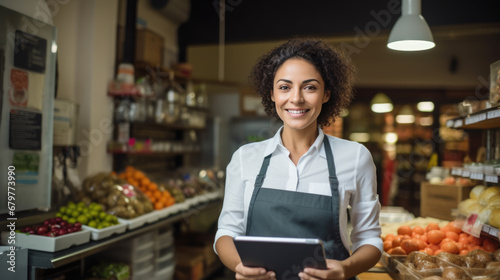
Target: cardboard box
{"type": "Point", "coordinates": [207, 251]}
{"type": "Point", "coordinates": [437, 200]}
{"type": "Point", "coordinates": [189, 266]}
{"type": "Point", "coordinates": [148, 47]}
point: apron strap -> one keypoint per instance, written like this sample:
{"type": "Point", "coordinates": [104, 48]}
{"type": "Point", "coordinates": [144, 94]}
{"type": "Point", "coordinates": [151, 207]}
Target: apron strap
{"type": "Point", "coordinates": [334, 186]}
{"type": "Point", "coordinates": [258, 183]}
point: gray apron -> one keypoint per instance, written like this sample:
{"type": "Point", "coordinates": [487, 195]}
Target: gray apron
{"type": "Point", "coordinates": [281, 213]}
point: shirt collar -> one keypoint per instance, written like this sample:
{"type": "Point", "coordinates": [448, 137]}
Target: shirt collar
{"type": "Point", "coordinates": [276, 143]}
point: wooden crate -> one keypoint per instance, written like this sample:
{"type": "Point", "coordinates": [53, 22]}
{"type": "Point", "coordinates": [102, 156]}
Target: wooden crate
{"type": "Point", "coordinates": [437, 200]}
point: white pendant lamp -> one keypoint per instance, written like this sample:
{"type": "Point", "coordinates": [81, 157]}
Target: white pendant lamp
{"type": "Point", "coordinates": [381, 103]}
{"type": "Point", "coordinates": [411, 32]}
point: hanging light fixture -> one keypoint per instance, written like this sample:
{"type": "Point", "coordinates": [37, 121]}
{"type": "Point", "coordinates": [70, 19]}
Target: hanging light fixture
{"type": "Point", "coordinates": [405, 115]}
{"type": "Point", "coordinates": [425, 106]}
{"type": "Point", "coordinates": [381, 103]}
{"type": "Point", "coordinates": [411, 32]}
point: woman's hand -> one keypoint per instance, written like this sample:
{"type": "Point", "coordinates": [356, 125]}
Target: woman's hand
{"type": "Point", "coordinates": [254, 273]}
{"type": "Point", "coordinates": [335, 270]}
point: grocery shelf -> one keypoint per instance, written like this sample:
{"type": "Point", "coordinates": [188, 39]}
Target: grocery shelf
{"type": "Point", "coordinates": [49, 260]}
{"type": "Point", "coordinates": [484, 119]}
{"type": "Point", "coordinates": [490, 178]}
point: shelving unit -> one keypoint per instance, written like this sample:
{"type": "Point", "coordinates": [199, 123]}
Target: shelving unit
{"type": "Point", "coordinates": [461, 172]}
{"type": "Point", "coordinates": [488, 119]}
{"type": "Point", "coordinates": [51, 260]}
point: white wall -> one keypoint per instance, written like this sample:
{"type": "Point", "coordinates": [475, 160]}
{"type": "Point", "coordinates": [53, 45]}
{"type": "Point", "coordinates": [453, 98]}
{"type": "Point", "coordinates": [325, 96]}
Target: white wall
{"type": "Point", "coordinates": [86, 59]}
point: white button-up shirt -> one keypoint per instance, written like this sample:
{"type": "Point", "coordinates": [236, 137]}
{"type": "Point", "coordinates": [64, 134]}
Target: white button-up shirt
{"type": "Point", "coordinates": [354, 168]}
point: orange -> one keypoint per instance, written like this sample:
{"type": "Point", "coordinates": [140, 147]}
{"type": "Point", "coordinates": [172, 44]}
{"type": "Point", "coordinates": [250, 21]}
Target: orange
{"type": "Point", "coordinates": [433, 247]}
{"type": "Point", "coordinates": [464, 240]}
{"type": "Point", "coordinates": [387, 245]}
{"type": "Point", "coordinates": [463, 252]}
{"type": "Point", "coordinates": [431, 226]}
{"type": "Point", "coordinates": [424, 237]}
{"type": "Point", "coordinates": [489, 246]}
{"type": "Point", "coordinates": [389, 237]}
{"type": "Point", "coordinates": [428, 251]}
{"type": "Point", "coordinates": [145, 181]}
{"type": "Point", "coordinates": [153, 187]}
{"type": "Point", "coordinates": [159, 205]}
{"type": "Point", "coordinates": [453, 228]}
{"type": "Point", "coordinates": [445, 240]}
{"type": "Point", "coordinates": [421, 244]}
{"type": "Point", "coordinates": [409, 246]}
{"type": "Point", "coordinates": [396, 241]}
{"type": "Point", "coordinates": [452, 235]}
{"type": "Point", "coordinates": [437, 251]}
{"type": "Point", "coordinates": [435, 236]}
{"type": "Point", "coordinates": [418, 230]}
{"type": "Point", "coordinates": [397, 251]}
{"type": "Point", "coordinates": [450, 247]}
{"type": "Point", "coordinates": [474, 240]}
{"type": "Point", "coordinates": [405, 230]}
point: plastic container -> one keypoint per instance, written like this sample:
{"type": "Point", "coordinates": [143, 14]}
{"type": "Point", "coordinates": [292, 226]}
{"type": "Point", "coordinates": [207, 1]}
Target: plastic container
{"type": "Point", "coordinates": [98, 234]}
{"type": "Point", "coordinates": [138, 265]}
{"type": "Point", "coordinates": [166, 273]}
{"type": "Point", "coordinates": [134, 223]}
{"type": "Point", "coordinates": [145, 274]}
{"type": "Point", "coordinates": [165, 261]}
{"type": "Point", "coordinates": [46, 243]}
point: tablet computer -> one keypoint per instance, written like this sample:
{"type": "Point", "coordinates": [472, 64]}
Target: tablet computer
{"type": "Point", "coordinates": [283, 255]}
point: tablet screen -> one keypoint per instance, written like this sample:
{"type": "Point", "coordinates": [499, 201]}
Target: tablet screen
{"type": "Point", "coordinates": [285, 256]}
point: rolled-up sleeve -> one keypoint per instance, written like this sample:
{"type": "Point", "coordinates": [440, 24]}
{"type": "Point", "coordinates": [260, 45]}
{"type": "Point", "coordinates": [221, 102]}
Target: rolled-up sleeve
{"type": "Point", "coordinates": [231, 220]}
{"type": "Point", "coordinates": [365, 211]}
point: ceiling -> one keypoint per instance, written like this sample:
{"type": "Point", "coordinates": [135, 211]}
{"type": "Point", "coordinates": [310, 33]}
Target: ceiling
{"type": "Point", "coordinates": [263, 20]}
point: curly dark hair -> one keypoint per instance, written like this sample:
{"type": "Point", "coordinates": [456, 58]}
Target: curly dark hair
{"type": "Point", "coordinates": [334, 66]}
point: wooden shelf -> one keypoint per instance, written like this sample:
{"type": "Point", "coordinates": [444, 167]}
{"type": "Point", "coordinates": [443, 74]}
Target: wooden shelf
{"type": "Point", "coordinates": [485, 119]}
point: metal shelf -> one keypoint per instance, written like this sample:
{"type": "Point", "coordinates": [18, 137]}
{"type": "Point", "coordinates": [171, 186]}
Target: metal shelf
{"type": "Point", "coordinates": [48, 260]}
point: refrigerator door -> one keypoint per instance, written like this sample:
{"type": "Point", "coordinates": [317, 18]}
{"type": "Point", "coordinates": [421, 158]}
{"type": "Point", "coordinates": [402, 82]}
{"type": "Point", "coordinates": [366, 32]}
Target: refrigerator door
{"type": "Point", "coordinates": [27, 83]}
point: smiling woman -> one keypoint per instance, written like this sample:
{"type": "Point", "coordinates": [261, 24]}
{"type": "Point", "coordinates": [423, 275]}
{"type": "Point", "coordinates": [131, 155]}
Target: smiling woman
{"type": "Point", "coordinates": [300, 182]}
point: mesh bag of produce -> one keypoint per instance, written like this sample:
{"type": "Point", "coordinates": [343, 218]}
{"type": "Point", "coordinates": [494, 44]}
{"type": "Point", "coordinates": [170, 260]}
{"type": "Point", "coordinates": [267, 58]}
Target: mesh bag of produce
{"type": "Point", "coordinates": [115, 195]}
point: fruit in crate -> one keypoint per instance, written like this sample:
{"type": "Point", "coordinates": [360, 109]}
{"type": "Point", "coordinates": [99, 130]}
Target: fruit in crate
{"type": "Point", "coordinates": [92, 215]}
{"type": "Point", "coordinates": [158, 195]}
{"type": "Point", "coordinates": [434, 240]}
{"type": "Point", "coordinates": [116, 196]}
{"type": "Point", "coordinates": [175, 190]}
{"type": "Point", "coordinates": [53, 227]}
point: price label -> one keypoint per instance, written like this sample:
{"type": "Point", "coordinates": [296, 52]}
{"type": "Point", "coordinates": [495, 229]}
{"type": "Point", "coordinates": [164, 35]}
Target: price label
{"type": "Point", "coordinates": [456, 171]}
{"type": "Point", "coordinates": [472, 225]}
{"type": "Point", "coordinates": [458, 123]}
{"type": "Point", "coordinates": [475, 118]}
{"type": "Point", "coordinates": [491, 178]}
{"type": "Point", "coordinates": [450, 123]}
{"type": "Point", "coordinates": [466, 173]}
{"type": "Point", "coordinates": [494, 114]}
{"type": "Point", "coordinates": [476, 176]}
